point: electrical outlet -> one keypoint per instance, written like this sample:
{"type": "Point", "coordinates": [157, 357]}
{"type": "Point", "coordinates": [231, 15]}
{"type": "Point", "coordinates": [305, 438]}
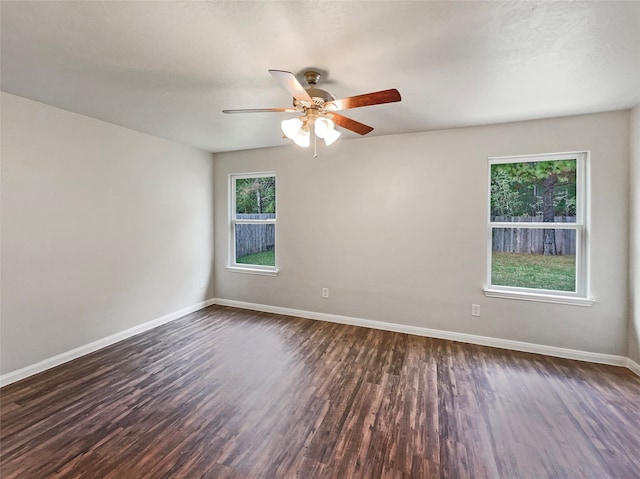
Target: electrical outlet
{"type": "Point", "coordinates": [201, 283]}
{"type": "Point", "coordinates": [325, 292]}
{"type": "Point", "coordinates": [475, 310]}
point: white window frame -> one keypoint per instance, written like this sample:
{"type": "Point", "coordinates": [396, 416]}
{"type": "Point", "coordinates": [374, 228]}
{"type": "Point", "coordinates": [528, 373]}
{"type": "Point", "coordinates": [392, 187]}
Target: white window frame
{"type": "Point", "coordinates": [580, 296]}
{"type": "Point", "coordinates": [233, 221]}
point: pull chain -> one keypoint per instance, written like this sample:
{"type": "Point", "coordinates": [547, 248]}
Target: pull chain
{"type": "Point", "coordinates": [315, 146]}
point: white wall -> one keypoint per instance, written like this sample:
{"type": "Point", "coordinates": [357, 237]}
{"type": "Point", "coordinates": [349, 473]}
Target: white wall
{"type": "Point", "coordinates": [634, 263]}
{"type": "Point", "coordinates": [103, 228]}
{"type": "Point", "coordinates": [395, 227]}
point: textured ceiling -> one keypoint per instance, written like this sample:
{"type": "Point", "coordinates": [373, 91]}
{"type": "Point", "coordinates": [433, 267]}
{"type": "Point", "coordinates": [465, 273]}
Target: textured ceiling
{"type": "Point", "coordinates": [169, 68]}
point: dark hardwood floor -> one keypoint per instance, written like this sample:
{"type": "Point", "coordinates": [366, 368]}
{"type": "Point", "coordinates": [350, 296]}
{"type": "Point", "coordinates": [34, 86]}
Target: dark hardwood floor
{"type": "Point", "coordinates": [227, 393]}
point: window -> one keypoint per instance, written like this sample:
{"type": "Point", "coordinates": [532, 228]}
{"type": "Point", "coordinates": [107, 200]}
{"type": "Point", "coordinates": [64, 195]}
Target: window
{"type": "Point", "coordinates": [537, 241]}
{"type": "Point", "coordinates": [253, 223]}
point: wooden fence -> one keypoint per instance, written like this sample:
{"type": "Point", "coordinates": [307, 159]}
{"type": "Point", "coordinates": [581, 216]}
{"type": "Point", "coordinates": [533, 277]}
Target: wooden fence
{"type": "Point", "coordinates": [527, 240]}
{"type": "Point", "coordinates": [254, 238]}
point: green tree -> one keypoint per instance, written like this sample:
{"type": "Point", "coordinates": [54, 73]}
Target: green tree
{"type": "Point", "coordinates": [256, 195]}
{"type": "Point", "coordinates": [505, 200]}
{"type": "Point", "coordinates": [529, 176]}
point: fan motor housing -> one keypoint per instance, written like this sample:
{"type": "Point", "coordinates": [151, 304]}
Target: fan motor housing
{"type": "Point", "coordinates": [317, 93]}
{"type": "Point", "coordinates": [312, 78]}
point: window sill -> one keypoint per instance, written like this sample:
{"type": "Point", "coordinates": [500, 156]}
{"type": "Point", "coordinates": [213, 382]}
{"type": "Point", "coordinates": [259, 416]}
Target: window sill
{"type": "Point", "coordinates": [249, 270]}
{"type": "Point", "coordinates": [543, 298]}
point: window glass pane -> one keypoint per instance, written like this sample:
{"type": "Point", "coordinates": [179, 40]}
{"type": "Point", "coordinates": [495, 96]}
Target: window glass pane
{"type": "Point", "coordinates": [255, 244]}
{"type": "Point", "coordinates": [256, 196]}
{"type": "Point", "coordinates": [534, 258]}
{"type": "Point", "coordinates": [539, 191]}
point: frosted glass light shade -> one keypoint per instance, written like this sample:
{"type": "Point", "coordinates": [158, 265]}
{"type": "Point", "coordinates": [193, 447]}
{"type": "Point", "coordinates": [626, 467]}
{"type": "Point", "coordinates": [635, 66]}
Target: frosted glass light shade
{"type": "Point", "coordinates": [323, 126]}
{"type": "Point", "coordinates": [331, 136]}
{"type": "Point", "coordinates": [291, 127]}
{"type": "Point", "coordinates": [302, 138]}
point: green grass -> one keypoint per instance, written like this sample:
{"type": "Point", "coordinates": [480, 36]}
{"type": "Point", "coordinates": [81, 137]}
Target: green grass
{"type": "Point", "coordinates": [534, 271]}
{"type": "Point", "coordinates": [266, 258]}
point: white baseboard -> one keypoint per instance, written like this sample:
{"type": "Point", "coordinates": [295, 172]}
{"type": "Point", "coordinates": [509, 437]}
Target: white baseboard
{"type": "Point", "coordinates": [54, 361]}
{"type": "Point", "coordinates": [440, 334]}
{"type": "Point", "coordinates": [49, 363]}
{"type": "Point", "coordinates": [635, 367]}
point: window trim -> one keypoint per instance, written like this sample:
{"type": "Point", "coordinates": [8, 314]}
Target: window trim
{"type": "Point", "coordinates": [233, 221]}
{"type": "Point", "coordinates": [580, 296]}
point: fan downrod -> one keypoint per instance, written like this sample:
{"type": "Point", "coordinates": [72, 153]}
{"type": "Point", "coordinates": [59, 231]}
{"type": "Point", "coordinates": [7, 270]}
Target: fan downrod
{"type": "Point", "coordinates": [320, 97]}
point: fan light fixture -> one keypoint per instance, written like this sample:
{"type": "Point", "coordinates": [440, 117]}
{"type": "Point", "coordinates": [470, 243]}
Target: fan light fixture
{"type": "Point", "coordinates": [299, 130]}
{"type": "Point", "coordinates": [319, 109]}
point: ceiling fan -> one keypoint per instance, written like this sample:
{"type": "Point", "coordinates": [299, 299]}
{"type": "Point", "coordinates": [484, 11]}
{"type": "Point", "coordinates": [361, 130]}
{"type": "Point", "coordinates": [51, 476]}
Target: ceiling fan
{"type": "Point", "coordinates": [318, 108]}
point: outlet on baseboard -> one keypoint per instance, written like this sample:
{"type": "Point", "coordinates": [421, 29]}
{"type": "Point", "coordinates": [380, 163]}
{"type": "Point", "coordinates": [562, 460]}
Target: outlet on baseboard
{"type": "Point", "coordinates": [475, 310]}
{"type": "Point", "coordinates": [325, 292]}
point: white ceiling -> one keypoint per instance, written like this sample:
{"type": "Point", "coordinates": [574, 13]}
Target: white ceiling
{"type": "Point", "coordinates": [169, 68]}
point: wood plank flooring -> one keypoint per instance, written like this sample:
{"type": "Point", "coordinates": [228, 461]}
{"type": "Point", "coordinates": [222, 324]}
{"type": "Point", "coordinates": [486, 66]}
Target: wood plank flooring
{"type": "Point", "coordinates": [226, 393]}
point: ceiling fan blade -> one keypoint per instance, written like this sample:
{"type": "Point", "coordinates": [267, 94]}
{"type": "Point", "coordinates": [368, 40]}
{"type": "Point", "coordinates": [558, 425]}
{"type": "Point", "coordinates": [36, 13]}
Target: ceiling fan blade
{"type": "Point", "coordinates": [261, 110]}
{"type": "Point", "coordinates": [350, 124]}
{"type": "Point", "coordinates": [291, 84]}
{"type": "Point", "coordinates": [375, 98]}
